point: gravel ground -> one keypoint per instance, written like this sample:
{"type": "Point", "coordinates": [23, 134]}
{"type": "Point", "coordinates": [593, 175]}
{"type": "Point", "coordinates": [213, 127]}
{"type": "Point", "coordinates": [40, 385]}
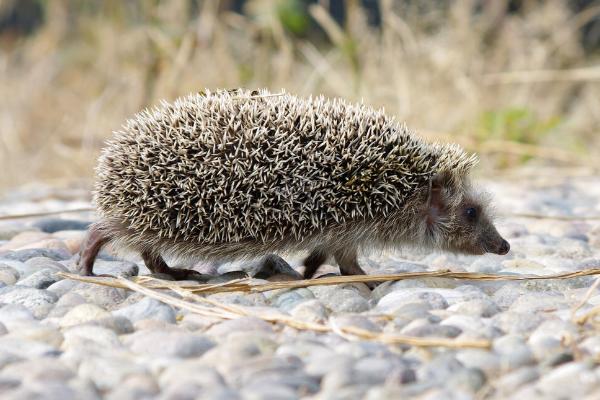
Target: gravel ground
{"type": "Point", "coordinates": [62, 339]}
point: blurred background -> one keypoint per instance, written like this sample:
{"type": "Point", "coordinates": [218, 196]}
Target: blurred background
{"type": "Point", "coordinates": [516, 81]}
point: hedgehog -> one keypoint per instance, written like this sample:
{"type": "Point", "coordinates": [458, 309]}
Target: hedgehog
{"type": "Point", "coordinates": [234, 174]}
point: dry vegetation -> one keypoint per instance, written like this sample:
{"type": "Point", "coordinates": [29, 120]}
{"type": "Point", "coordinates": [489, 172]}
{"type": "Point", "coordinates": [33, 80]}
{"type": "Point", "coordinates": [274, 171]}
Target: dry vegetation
{"type": "Point", "coordinates": [459, 72]}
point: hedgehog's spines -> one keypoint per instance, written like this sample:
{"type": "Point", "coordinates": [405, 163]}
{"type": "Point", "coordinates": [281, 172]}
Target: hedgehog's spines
{"type": "Point", "coordinates": [232, 166]}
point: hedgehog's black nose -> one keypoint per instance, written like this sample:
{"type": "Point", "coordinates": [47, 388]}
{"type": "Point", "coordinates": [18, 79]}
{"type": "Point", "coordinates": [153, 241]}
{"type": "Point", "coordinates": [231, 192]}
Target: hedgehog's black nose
{"type": "Point", "coordinates": [504, 248]}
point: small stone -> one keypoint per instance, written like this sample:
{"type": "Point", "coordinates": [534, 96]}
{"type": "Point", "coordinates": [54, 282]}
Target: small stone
{"type": "Point", "coordinates": [147, 308]}
{"type": "Point", "coordinates": [191, 371]}
{"type": "Point", "coordinates": [108, 371]}
{"type": "Point", "coordinates": [468, 379]}
{"type": "Point", "coordinates": [51, 225]}
{"type": "Point", "coordinates": [392, 301]}
{"type": "Point", "coordinates": [516, 323]}
{"type": "Point", "coordinates": [65, 304]}
{"type": "Point", "coordinates": [8, 275]}
{"type": "Point", "coordinates": [509, 383]}
{"type": "Point", "coordinates": [38, 301]}
{"type": "Point", "coordinates": [41, 279]}
{"type": "Point", "coordinates": [168, 344]}
{"type": "Point", "coordinates": [514, 352]}
{"type": "Point", "coordinates": [14, 313]}
{"type": "Point", "coordinates": [39, 333]}
{"type": "Point", "coordinates": [25, 348]}
{"type": "Point", "coordinates": [431, 330]}
{"type": "Point", "coordinates": [310, 311]}
{"type": "Point", "coordinates": [42, 369]}
{"type": "Point", "coordinates": [135, 386]}
{"type": "Point", "coordinates": [484, 360]}
{"type": "Point", "coordinates": [115, 268]}
{"type": "Point", "coordinates": [83, 313]}
{"type": "Point", "coordinates": [103, 296]}
{"type": "Point", "coordinates": [246, 324]}
{"type": "Point", "coordinates": [85, 336]}
{"type": "Point", "coordinates": [40, 263]}
{"type": "Point", "coordinates": [26, 254]}
{"type": "Point", "coordinates": [477, 308]}
{"type": "Point", "coordinates": [117, 324]}
{"type": "Point", "coordinates": [342, 299]}
{"type": "Point", "coordinates": [289, 299]}
{"type": "Point", "coordinates": [568, 381]}
{"type": "Point", "coordinates": [63, 286]}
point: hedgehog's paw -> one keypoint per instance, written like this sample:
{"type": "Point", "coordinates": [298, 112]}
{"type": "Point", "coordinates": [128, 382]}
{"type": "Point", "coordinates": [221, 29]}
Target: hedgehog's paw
{"type": "Point", "coordinates": [181, 274]}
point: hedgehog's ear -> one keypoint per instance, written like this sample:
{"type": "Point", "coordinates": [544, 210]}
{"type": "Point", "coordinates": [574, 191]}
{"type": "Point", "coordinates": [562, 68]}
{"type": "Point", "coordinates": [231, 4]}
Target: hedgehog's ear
{"type": "Point", "coordinates": [435, 196]}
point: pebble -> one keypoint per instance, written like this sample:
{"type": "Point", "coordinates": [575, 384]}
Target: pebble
{"type": "Point", "coordinates": [83, 313]}
{"type": "Point", "coordinates": [168, 344]}
{"type": "Point", "coordinates": [103, 296]}
{"type": "Point", "coordinates": [38, 301]}
{"type": "Point", "coordinates": [26, 254]}
{"type": "Point", "coordinates": [246, 324]}
{"type": "Point", "coordinates": [52, 225]}
{"type": "Point", "coordinates": [310, 311]}
{"type": "Point", "coordinates": [341, 300]}
{"type": "Point", "coordinates": [147, 308]}
{"type": "Point", "coordinates": [41, 279]}
{"type": "Point", "coordinates": [8, 275]}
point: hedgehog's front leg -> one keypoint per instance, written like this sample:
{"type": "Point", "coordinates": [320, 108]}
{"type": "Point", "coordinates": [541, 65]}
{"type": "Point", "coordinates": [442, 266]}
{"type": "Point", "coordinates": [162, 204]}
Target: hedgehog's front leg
{"type": "Point", "coordinates": [313, 262]}
{"type": "Point", "coordinates": [157, 265]}
{"type": "Point", "coordinates": [96, 238]}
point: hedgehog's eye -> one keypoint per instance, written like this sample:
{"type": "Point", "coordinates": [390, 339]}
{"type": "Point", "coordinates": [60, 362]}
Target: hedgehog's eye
{"type": "Point", "coordinates": [471, 214]}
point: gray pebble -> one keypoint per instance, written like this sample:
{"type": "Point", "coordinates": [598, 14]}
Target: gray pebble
{"type": "Point", "coordinates": [484, 360]}
{"type": "Point", "coordinates": [477, 308]}
{"type": "Point", "coordinates": [26, 254]}
{"type": "Point", "coordinates": [517, 323]}
{"type": "Point", "coordinates": [26, 348]}
{"type": "Point", "coordinates": [109, 370]}
{"type": "Point", "coordinates": [310, 311]}
{"type": "Point", "coordinates": [8, 275]}
{"type": "Point", "coordinates": [168, 344]}
{"type": "Point", "coordinates": [289, 299]}
{"type": "Point", "coordinates": [52, 225]}
{"type": "Point", "coordinates": [116, 268]}
{"type": "Point", "coordinates": [83, 313]}
{"type": "Point", "coordinates": [85, 336]}
{"type": "Point", "coordinates": [430, 330]}
{"type": "Point", "coordinates": [510, 382]}
{"type": "Point", "coordinates": [63, 286]}
{"type": "Point", "coordinates": [513, 351]}
{"type": "Point", "coordinates": [341, 299]}
{"type": "Point", "coordinates": [41, 279]}
{"type": "Point", "coordinates": [147, 308]}
{"type": "Point", "coordinates": [65, 304]}
{"type": "Point", "coordinates": [38, 301]}
{"type": "Point", "coordinates": [246, 324]}
{"type": "Point", "coordinates": [103, 296]}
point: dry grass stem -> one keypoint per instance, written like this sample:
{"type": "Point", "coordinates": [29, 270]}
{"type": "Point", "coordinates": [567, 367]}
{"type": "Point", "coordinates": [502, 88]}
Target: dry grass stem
{"type": "Point", "coordinates": [564, 75]}
{"type": "Point", "coordinates": [45, 213]}
{"type": "Point", "coordinates": [555, 217]}
{"type": "Point", "coordinates": [250, 285]}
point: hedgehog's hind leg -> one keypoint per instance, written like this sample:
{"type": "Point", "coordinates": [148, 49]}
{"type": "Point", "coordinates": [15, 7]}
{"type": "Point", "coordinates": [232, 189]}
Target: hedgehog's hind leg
{"type": "Point", "coordinates": [314, 260]}
{"type": "Point", "coordinates": [157, 265]}
{"type": "Point", "coordinates": [96, 238]}
{"type": "Point", "coordinates": [348, 262]}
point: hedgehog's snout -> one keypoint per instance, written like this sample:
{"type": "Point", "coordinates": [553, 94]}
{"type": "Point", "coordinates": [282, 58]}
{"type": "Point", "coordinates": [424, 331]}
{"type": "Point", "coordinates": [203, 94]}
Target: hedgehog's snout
{"type": "Point", "coordinates": [504, 248]}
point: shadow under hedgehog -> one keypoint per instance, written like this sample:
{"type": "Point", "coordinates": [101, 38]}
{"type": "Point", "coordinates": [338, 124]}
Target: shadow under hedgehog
{"type": "Point", "coordinates": [237, 174]}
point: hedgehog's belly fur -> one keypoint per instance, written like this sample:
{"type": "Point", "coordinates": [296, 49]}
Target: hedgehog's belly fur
{"type": "Point", "coordinates": [335, 238]}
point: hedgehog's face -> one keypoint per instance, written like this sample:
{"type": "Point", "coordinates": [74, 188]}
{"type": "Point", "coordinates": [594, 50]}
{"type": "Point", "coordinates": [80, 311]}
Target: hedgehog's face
{"type": "Point", "coordinates": [459, 220]}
